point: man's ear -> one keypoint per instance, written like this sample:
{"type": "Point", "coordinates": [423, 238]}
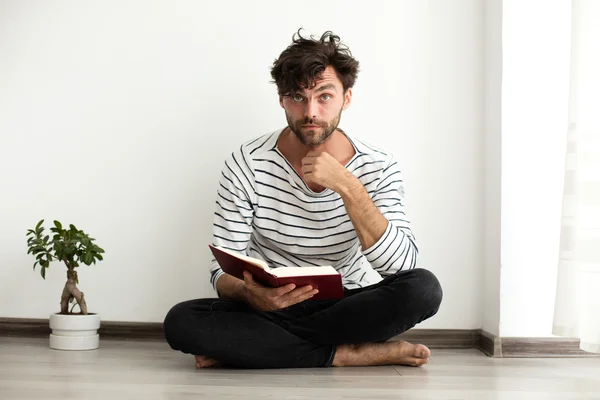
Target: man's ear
{"type": "Point", "coordinates": [281, 101]}
{"type": "Point", "coordinates": [347, 99]}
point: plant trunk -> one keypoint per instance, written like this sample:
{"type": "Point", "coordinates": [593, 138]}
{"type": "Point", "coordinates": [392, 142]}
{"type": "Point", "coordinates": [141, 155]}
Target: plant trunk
{"type": "Point", "coordinates": [71, 292]}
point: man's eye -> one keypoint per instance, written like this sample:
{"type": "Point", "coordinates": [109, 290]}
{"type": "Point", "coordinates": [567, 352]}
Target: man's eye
{"type": "Point", "coordinates": [326, 97]}
{"type": "Point", "coordinates": [297, 98]}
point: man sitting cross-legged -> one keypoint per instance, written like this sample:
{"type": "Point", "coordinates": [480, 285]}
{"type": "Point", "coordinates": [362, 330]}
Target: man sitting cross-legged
{"type": "Point", "coordinates": [310, 194]}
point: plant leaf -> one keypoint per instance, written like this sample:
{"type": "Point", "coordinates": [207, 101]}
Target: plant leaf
{"type": "Point", "coordinates": [58, 225]}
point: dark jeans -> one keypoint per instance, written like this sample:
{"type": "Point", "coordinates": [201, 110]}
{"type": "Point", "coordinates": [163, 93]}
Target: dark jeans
{"type": "Point", "coordinates": [305, 334]}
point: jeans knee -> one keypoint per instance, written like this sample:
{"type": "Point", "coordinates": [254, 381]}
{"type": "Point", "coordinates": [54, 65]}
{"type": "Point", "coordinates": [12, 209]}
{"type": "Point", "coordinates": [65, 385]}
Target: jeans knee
{"type": "Point", "coordinates": [430, 289]}
{"type": "Point", "coordinates": [174, 324]}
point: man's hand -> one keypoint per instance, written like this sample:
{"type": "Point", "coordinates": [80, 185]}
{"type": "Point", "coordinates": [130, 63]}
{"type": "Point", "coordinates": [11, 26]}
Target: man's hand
{"type": "Point", "coordinates": [270, 299]}
{"type": "Point", "coordinates": [323, 169]}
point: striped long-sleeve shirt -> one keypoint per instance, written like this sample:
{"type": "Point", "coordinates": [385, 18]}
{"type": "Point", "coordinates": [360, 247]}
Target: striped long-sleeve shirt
{"type": "Point", "coordinates": [265, 210]}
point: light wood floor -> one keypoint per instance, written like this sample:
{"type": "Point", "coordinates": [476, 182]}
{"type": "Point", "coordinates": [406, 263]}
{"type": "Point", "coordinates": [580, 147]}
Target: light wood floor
{"type": "Point", "coordinates": [151, 370]}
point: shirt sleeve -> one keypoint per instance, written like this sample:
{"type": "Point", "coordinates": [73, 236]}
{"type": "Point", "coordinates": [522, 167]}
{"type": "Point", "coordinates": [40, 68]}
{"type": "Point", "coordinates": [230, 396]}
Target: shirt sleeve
{"type": "Point", "coordinates": [234, 211]}
{"type": "Point", "coordinates": [396, 249]}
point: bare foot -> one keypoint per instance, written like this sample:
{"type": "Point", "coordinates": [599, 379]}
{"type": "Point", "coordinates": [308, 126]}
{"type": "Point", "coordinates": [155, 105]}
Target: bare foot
{"type": "Point", "coordinates": [205, 362]}
{"type": "Point", "coordinates": [386, 353]}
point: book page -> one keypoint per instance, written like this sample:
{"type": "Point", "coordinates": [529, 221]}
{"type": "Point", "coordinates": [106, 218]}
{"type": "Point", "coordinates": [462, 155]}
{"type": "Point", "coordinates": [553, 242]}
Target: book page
{"type": "Point", "coordinates": [252, 260]}
{"type": "Point", "coordinates": [283, 272]}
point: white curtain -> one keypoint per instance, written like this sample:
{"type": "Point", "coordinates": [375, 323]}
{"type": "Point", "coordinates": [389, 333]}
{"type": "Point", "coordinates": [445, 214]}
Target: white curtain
{"type": "Point", "coordinates": [577, 307]}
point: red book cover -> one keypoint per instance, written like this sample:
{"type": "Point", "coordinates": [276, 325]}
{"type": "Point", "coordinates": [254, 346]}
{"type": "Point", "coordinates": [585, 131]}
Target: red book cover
{"type": "Point", "coordinates": [326, 279]}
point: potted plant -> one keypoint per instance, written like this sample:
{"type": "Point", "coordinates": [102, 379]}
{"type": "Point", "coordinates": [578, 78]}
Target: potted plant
{"type": "Point", "coordinates": [70, 330]}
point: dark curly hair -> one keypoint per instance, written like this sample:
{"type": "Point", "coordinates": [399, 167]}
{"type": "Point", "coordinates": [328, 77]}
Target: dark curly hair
{"type": "Point", "coordinates": [305, 59]}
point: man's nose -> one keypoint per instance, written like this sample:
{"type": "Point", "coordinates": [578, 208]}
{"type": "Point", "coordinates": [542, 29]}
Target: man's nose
{"type": "Point", "coordinates": [311, 109]}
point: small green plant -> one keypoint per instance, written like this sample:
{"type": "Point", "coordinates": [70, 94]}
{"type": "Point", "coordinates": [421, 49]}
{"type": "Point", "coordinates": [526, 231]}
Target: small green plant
{"type": "Point", "coordinates": [71, 246]}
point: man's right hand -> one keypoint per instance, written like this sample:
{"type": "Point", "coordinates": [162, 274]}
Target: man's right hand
{"type": "Point", "coordinates": [263, 298]}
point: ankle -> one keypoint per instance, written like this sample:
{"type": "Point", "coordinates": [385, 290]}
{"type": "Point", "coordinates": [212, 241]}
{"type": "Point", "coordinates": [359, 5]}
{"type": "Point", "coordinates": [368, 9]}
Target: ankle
{"type": "Point", "coordinates": [353, 354]}
{"type": "Point", "coordinates": [342, 355]}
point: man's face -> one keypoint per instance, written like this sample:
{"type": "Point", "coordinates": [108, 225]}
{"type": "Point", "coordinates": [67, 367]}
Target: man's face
{"type": "Point", "coordinates": [314, 114]}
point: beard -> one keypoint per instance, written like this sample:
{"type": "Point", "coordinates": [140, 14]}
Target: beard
{"type": "Point", "coordinates": [311, 137]}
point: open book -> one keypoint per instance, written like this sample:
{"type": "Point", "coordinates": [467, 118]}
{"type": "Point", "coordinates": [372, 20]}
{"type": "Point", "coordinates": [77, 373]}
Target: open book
{"type": "Point", "coordinates": [326, 279]}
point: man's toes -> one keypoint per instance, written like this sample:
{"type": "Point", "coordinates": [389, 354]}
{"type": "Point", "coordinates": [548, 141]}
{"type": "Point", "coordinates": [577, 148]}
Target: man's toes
{"type": "Point", "coordinates": [204, 362]}
{"type": "Point", "coordinates": [413, 361]}
{"type": "Point", "coordinates": [420, 361]}
{"type": "Point", "coordinates": [422, 351]}
{"type": "Point", "coordinates": [201, 362]}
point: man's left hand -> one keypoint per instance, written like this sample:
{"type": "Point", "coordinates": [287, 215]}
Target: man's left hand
{"type": "Point", "coordinates": [321, 168]}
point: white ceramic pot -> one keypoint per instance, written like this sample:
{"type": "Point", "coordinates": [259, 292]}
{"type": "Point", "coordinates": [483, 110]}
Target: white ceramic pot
{"type": "Point", "coordinates": [74, 332]}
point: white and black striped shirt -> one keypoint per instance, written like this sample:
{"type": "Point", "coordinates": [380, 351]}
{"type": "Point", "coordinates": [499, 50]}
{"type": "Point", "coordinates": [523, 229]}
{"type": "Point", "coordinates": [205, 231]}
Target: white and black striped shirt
{"type": "Point", "coordinates": [265, 210]}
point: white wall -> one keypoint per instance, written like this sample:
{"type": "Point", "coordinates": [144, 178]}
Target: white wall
{"type": "Point", "coordinates": [535, 94]}
{"type": "Point", "coordinates": [492, 152]}
{"type": "Point", "coordinates": [116, 116]}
